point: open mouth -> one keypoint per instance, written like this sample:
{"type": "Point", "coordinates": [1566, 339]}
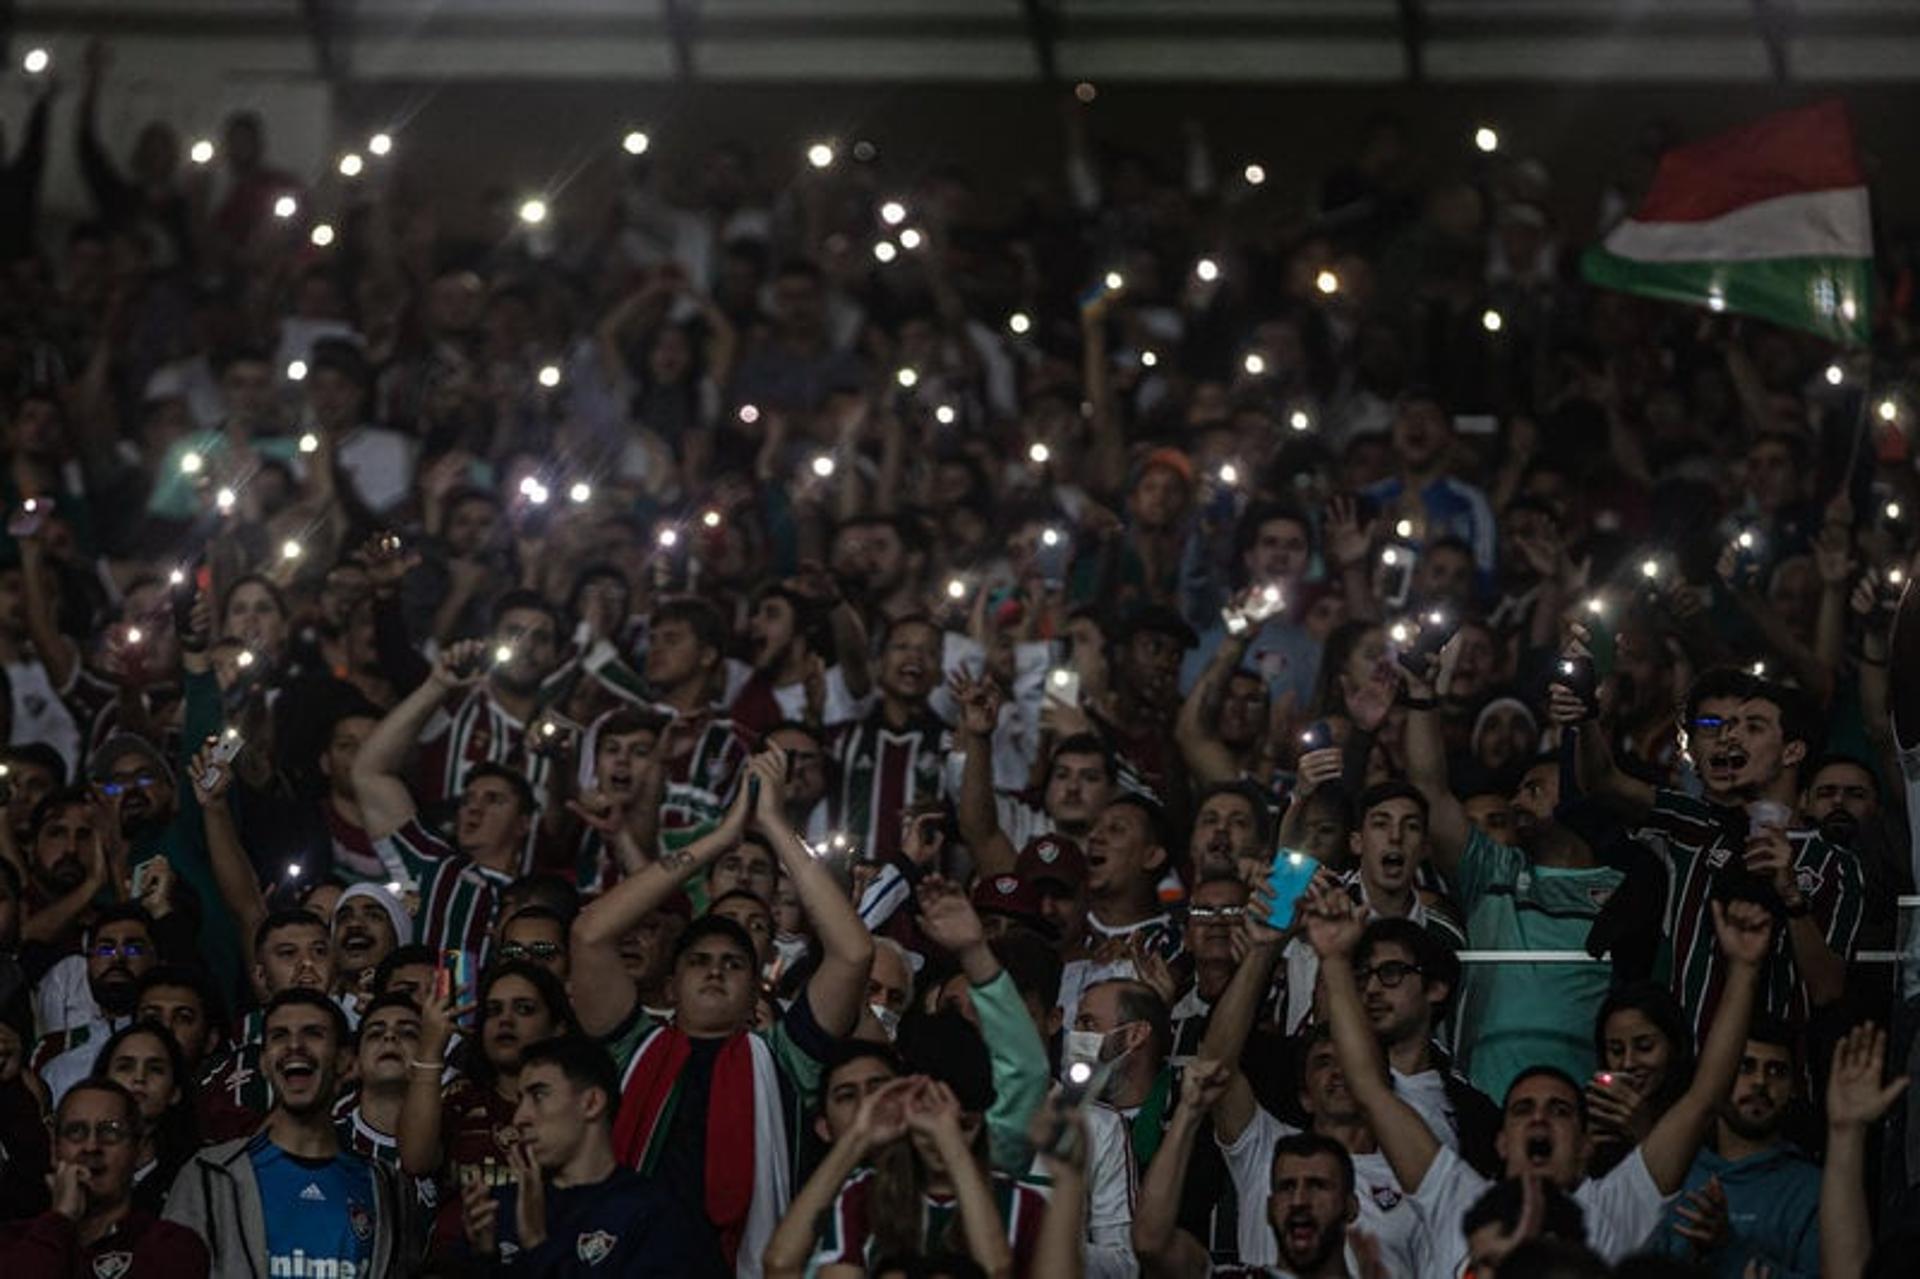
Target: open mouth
{"type": "Point", "coordinates": [1539, 1150]}
{"type": "Point", "coordinates": [298, 1070]}
{"type": "Point", "coordinates": [1727, 761]}
{"type": "Point", "coordinates": [356, 942]}
{"type": "Point", "coordinates": [1393, 861]}
{"type": "Point", "coordinates": [1302, 1230]}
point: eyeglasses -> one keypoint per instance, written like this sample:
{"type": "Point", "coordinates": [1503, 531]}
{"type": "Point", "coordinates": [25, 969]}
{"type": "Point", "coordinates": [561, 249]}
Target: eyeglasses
{"type": "Point", "coordinates": [1708, 726]}
{"type": "Point", "coordinates": [1391, 973]}
{"type": "Point", "coordinates": [1216, 914]}
{"type": "Point", "coordinates": [126, 949]}
{"type": "Point", "coordinates": [120, 783]}
{"type": "Point", "coordinates": [108, 1132]}
{"type": "Point", "coordinates": [530, 950]}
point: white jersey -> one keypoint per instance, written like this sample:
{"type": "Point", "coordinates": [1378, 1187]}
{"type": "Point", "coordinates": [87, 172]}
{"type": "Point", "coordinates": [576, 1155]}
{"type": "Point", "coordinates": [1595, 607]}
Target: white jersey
{"type": "Point", "coordinates": [1622, 1209]}
{"type": "Point", "coordinates": [1386, 1211]}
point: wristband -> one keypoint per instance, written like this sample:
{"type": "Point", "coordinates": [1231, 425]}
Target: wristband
{"type": "Point", "coordinates": [1417, 703]}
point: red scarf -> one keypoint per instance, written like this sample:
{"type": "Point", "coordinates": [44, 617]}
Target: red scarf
{"type": "Point", "coordinates": [652, 1082]}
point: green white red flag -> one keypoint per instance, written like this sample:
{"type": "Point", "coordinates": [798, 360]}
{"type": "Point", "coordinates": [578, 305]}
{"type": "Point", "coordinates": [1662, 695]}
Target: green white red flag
{"type": "Point", "coordinates": [1769, 220]}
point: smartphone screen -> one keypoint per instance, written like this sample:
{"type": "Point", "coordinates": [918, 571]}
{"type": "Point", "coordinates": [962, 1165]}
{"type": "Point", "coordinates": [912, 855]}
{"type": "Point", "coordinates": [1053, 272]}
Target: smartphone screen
{"type": "Point", "coordinates": [1292, 872]}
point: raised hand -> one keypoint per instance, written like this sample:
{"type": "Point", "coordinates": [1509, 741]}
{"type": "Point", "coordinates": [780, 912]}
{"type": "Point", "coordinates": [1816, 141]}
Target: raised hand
{"type": "Point", "coordinates": [1203, 1084]}
{"type": "Point", "coordinates": [947, 918]}
{"type": "Point", "coordinates": [439, 1018]}
{"type": "Point", "coordinates": [1369, 701]}
{"type": "Point", "coordinates": [211, 780]}
{"type": "Point", "coordinates": [1315, 769]}
{"type": "Point", "coordinates": [1615, 1105]}
{"type": "Point", "coordinates": [979, 703]}
{"type": "Point", "coordinates": [1744, 930]}
{"type": "Point", "coordinates": [1856, 1098]}
{"type": "Point", "coordinates": [1347, 538]}
{"type": "Point", "coordinates": [882, 1117]}
{"type": "Point", "coordinates": [460, 665]}
{"type": "Point", "coordinates": [934, 1110]}
{"type": "Point", "coordinates": [599, 811]}
{"type": "Point", "coordinates": [769, 768]}
{"type": "Point", "coordinates": [1332, 924]}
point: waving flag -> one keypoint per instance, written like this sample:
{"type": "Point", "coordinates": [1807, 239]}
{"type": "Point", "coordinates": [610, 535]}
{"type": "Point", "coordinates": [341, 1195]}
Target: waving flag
{"type": "Point", "coordinates": [1769, 220]}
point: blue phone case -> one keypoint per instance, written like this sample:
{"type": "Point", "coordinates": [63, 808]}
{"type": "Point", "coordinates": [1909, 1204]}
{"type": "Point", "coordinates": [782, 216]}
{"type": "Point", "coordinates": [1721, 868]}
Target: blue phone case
{"type": "Point", "coordinates": [1292, 872]}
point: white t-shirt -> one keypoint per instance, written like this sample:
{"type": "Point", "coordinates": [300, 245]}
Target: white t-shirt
{"type": "Point", "coordinates": [1426, 1092]}
{"type": "Point", "coordinates": [40, 716]}
{"type": "Point", "coordinates": [1386, 1211]}
{"type": "Point", "coordinates": [1112, 1179]}
{"type": "Point", "coordinates": [62, 997]}
{"type": "Point", "coordinates": [1622, 1210]}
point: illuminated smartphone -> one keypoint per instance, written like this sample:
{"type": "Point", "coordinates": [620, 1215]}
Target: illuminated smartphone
{"type": "Point", "coordinates": [1286, 882]}
{"type": "Point", "coordinates": [1063, 685]}
{"type": "Point", "coordinates": [450, 979]}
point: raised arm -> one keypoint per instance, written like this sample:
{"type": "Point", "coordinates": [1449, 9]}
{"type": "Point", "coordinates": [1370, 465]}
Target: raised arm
{"type": "Point", "coordinates": [1207, 757]}
{"type": "Point", "coordinates": [934, 1113]}
{"type": "Point", "coordinates": [880, 1120]}
{"type": "Point", "coordinates": [1744, 930]}
{"type": "Point", "coordinates": [1015, 1052]}
{"type": "Point", "coordinates": [1856, 1100]}
{"type": "Point", "coordinates": [1594, 761]}
{"type": "Point", "coordinates": [1447, 825]}
{"type": "Point", "coordinates": [603, 994]}
{"type": "Point", "coordinates": [837, 991]}
{"type": "Point", "coordinates": [1334, 929]}
{"type": "Point", "coordinates": [977, 815]}
{"type": "Point", "coordinates": [1903, 670]}
{"type": "Point", "coordinates": [233, 873]}
{"type": "Point", "coordinates": [385, 802]}
{"type": "Point", "coordinates": [1232, 1020]}
{"type": "Point", "coordinates": [1164, 1248]}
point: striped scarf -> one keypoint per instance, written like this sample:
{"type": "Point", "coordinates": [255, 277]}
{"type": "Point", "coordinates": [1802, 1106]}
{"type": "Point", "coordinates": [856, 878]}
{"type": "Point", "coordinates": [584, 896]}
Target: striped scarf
{"type": "Point", "coordinates": [747, 1188]}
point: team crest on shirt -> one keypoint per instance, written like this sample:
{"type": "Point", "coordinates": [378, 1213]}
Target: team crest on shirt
{"type": "Point", "coordinates": [111, 1265]}
{"type": "Point", "coordinates": [359, 1220]}
{"type": "Point", "coordinates": [594, 1248]}
{"type": "Point", "coordinates": [1717, 856]}
{"type": "Point", "coordinates": [1807, 880]}
{"type": "Point", "coordinates": [1385, 1198]}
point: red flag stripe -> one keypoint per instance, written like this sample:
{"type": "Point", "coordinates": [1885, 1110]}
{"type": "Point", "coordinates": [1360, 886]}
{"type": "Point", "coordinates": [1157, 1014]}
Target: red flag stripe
{"type": "Point", "coordinates": [1806, 149]}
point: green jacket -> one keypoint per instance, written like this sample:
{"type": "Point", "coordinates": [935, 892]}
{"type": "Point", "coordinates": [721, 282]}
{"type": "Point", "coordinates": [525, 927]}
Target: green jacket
{"type": "Point", "coordinates": [1019, 1060]}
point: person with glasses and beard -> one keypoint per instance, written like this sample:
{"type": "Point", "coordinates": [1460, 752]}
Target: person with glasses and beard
{"type": "Point", "coordinates": [93, 1227]}
{"type": "Point", "coordinates": [335, 1213]}
{"type": "Point", "coordinates": [119, 951]}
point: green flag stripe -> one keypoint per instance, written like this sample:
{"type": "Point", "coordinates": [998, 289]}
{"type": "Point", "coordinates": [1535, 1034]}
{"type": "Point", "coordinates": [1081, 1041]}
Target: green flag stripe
{"type": "Point", "coordinates": [1800, 293]}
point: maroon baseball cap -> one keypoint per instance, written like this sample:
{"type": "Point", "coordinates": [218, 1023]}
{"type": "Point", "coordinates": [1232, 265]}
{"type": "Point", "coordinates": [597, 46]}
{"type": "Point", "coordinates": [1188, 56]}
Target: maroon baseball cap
{"type": "Point", "coordinates": [1007, 895]}
{"type": "Point", "coordinates": [1052, 859]}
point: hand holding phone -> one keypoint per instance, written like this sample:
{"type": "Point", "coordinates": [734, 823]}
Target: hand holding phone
{"type": "Point", "coordinates": [1286, 883]}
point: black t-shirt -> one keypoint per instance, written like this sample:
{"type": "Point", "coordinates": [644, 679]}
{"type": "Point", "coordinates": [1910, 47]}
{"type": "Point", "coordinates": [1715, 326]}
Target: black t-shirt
{"type": "Point", "coordinates": [682, 1166]}
{"type": "Point", "coordinates": [625, 1226]}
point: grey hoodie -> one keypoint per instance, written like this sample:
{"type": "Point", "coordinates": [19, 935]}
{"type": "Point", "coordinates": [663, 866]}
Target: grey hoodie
{"type": "Point", "coordinates": [217, 1196]}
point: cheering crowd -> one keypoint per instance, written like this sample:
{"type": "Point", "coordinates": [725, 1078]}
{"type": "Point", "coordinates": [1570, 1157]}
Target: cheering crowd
{"type": "Point", "coordinates": [793, 726]}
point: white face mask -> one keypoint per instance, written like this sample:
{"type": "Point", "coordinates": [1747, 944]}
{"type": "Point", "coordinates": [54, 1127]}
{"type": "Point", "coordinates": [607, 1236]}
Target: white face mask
{"type": "Point", "coordinates": [889, 1020]}
{"type": "Point", "coordinates": [1082, 1048]}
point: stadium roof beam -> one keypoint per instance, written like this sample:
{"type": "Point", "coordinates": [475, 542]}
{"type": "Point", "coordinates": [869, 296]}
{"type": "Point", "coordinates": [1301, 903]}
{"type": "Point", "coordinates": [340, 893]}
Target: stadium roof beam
{"type": "Point", "coordinates": [1413, 38]}
{"type": "Point", "coordinates": [324, 30]}
{"type": "Point", "coordinates": [1043, 29]}
{"type": "Point", "coordinates": [1770, 23]}
{"type": "Point", "coordinates": [682, 33]}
